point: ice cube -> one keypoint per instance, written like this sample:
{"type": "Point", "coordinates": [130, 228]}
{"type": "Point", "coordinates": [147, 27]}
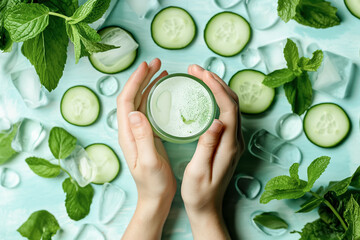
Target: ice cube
{"type": "Point", "coordinates": [225, 4]}
{"type": "Point", "coordinates": [9, 178]}
{"type": "Point", "coordinates": [8, 60]}
{"type": "Point", "coordinates": [215, 65]}
{"type": "Point", "coordinates": [119, 38]}
{"type": "Point", "coordinates": [80, 166]}
{"type": "Point", "coordinates": [289, 126]}
{"type": "Point", "coordinates": [111, 119]}
{"type": "Point", "coordinates": [262, 13]}
{"type": "Point", "coordinates": [5, 124]}
{"type": "Point", "coordinates": [247, 186]}
{"type": "Point", "coordinates": [29, 136]}
{"type": "Point", "coordinates": [107, 85]}
{"type": "Point", "coordinates": [250, 57]}
{"type": "Point", "coordinates": [273, 54]}
{"type": "Point", "coordinates": [89, 232]}
{"type": "Point", "coordinates": [111, 200]}
{"type": "Point", "coordinates": [28, 84]}
{"type": "Point", "coordinates": [143, 8]}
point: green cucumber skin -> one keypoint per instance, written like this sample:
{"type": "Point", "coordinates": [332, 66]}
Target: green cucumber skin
{"type": "Point", "coordinates": [114, 154]}
{"type": "Point", "coordinates": [151, 31]}
{"type": "Point", "coordinates": [341, 140]}
{"type": "Point", "coordinates": [62, 98]}
{"type": "Point", "coordinates": [358, 17]}
{"type": "Point", "coordinates": [137, 51]}
{"type": "Point", "coordinates": [271, 104]}
{"type": "Point", "coordinates": [244, 44]}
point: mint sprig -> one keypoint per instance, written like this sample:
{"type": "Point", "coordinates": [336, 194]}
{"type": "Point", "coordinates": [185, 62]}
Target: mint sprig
{"type": "Point", "coordinates": [312, 13]}
{"type": "Point", "coordinates": [295, 79]}
{"type": "Point", "coordinates": [78, 199]}
{"type": "Point", "coordinates": [6, 151]}
{"type": "Point", "coordinates": [45, 28]}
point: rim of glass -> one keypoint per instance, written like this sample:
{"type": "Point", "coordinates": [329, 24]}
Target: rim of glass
{"type": "Point", "coordinates": [158, 128]}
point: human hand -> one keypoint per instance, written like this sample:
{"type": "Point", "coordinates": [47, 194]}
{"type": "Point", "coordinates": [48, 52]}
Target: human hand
{"type": "Point", "coordinates": [208, 174]}
{"type": "Point", "coordinates": [145, 155]}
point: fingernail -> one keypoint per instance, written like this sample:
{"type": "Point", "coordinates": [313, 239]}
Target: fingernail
{"type": "Point", "coordinates": [216, 126]}
{"type": "Point", "coordinates": [134, 118]}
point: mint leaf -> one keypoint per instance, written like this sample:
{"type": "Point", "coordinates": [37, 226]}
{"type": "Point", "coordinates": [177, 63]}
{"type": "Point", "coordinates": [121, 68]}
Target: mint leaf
{"type": "Point", "coordinates": [43, 168]}
{"type": "Point", "coordinates": [319, 230]}
{"type": "Point", "coordinates": [5, 40]}
{"type": "Point", "coordinates": [339, 187]}
{"type": "Point", "coordinates": [291, 54]}
{"type": "Point", "coordinates": [355, 180]}
{"type": "Point", "coordinates": [61, 143]}
{"type": "Point", "coordinates": [87, 32]}
{"type": "Point", "coordinates": [47, 52]}
{"type": "Point", "coordinates": [66, 7]}
{"type": "Point", "coordinates": [352, 217]}
{"type": "Point", "coordinates": [309, 206]}
{"type": "Point", "coordinates": [74, 36]}
{"type": "Point", "coordinates": [41, 225]}
{"type": "Point", "coordinates": [287, 9]}
{"type": "Point", "coordinates": [299, 93]}
{"type": "Point", "coordinates": [312, 64]}
{"type": "Point", "coordinates": [316, 13]}
{"type": "Point", "coordinates": [270, 220]}
{"type": "Point", "coordinates": [93, 47]}
{"type": "Point", "coordinates": [269, 195]}
{"type": "Point", "coordinates": [78, 199]}
{"type": "Point", "coordinates": [278, 78]}
{"type": "Point", "coordinates": [99, 9]}
{"type": "Point", "coordinates": [315, 169]}
{"type": "Point", "coordinates": [83, 11]}
{"type": "Point", "coordinates": [294, 172]}
{"type": "Point", "coordinates": [282, 183]}
{"type": "Point", "coordinates": [25, 21]}
{"type": "Point", "coordinates": [6, 151]}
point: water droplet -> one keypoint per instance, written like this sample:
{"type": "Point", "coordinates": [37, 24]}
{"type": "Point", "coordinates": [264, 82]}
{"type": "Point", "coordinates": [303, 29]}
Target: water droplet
{"type": "Point", "coordinates": [247, 186]}
{"type": "Point", "coordinates": [225, 4]}
{"type": "Point", "coordinates": [179, 169]}
{"type": "Point", "coordinates": [289, 126]}
{"type": "Point", "coordinates": [111, 120]}
{"type": "Point", "coordinates": [89, 232]}
{"type": "Point", "coordinates": [250, 57]}
{"type": "Point", "coordinates": [266, 230]}
{"type": "Point", "coordinates": [111, 200]}
{"type": "Point", "coordinates": [215, 65]}
{"type": "Point", "coordinates": [262, 13]}
{"type": "Point", "coordinates": [9, 178]}
{"type": "Point", "coordinates": [107, 85]}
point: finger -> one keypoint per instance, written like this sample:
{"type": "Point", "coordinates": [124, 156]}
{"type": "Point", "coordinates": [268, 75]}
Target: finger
{"type": "Point", "coordinates": [142, 107]}
{"type": "Point", "coordinates": [207, 145]}
{"type": "Point", "coordinates": [133, 84]}
{"type": "Point", "coordinates": [227, 88]}
{"type": "Point", "coordinates": [144, 138]}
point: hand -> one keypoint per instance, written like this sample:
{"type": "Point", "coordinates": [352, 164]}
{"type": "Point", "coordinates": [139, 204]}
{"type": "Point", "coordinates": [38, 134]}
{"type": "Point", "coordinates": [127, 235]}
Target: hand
{"type": "Point", "coordinates": [208, 174]}
{"type": "Point", "coordinates": [145, 155]}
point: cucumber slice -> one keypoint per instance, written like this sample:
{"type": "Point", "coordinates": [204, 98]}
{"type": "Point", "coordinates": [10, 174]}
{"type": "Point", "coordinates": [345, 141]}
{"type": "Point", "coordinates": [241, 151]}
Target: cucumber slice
{"type": "Point", "coordinates": [106, 161]}
{"type": "Point", "coordinates": [173, 28]}
{"type": "Point", "coordinates": [254, 97]}
{"type": "Point", "coordinates": [326, 125]}
{"type": "Point", "coordinates": [354, 7]}
{"type": "Point", "coordinates": [80, 106]}
{"type": "Point", "coordinates": [115, 60]}
{"type": "Point", "coordinates": [227, 33]}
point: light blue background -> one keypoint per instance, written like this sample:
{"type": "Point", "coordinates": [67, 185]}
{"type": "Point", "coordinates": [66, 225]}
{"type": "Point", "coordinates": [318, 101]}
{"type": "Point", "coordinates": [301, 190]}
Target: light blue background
{"type": "Point", "coordinates": [35, 193]}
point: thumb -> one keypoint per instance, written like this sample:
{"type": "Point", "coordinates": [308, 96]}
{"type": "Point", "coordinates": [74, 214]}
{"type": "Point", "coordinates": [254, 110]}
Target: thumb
{"type": "Point", "coordinates": [143, 135]}
{"type": "Point", "coordinates": [207, 145]}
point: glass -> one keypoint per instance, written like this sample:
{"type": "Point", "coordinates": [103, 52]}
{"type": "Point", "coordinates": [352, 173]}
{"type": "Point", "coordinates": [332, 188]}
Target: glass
{"type": "Point", "coordinates": [289, 126]}
{"type": "Point", "coordinates": [247, 186]}
{"type": "Point", "coordinates": [143, 8]}
{"type": "Point", "coordinates": [80, 166]}
{"type": "Point", "coordinates": [9, 178]}
{"type": "Point", "coordinates": [225, 4]}
{"type": "Point", "coordinates": [179, 169]}
{"type": "Point", "coordinates": [215, 65]}
{"type": "Point", "coordinates": [30, 135]}
{"type": "Point", "coordinates": [107, 85]}
{"type": "Point", "coordinates": [111, 119]}
{"type": "Point", "coordinates": [262, 13]}
{"type": "Point", "coordinates": [27, 83]}
{"type": "Point", "coordinates": [111, 200]}
{"type": "Point", "coordinates": [270, 148]}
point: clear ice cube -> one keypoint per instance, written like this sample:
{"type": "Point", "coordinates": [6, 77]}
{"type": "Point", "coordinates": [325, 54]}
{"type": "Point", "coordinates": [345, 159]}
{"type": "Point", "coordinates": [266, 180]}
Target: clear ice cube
{"type": "Point", "coordinates": [111, 200]}
{"type": "Point", "coordinates": [289, 126]}
{"type": "Point", "coordinates": [250, 57]}
{"type": "Point", "coordinates": [215, 65]}
{"type": "Point", "coordinates": [143, 8]}
{"type": "Point", "coordinates": [225, 4]}
{"type": "Point", "coordinates": [89, 232]}
{"type": "Point", "coordinates": [5, 124]}
{"type": "Point", "coordinates": [117, 37]}
{"type": "Point", "coordinates": [273, 54]}
{"type": "Point", "coordinates": [9, 178]}
{"type": "Point", "coordinates": [179, 169]}
{"type": "Point", "coordinates": [29, 136]}
{"type": "Point", "coordinates": [28, 84]}
{"type": "Point", "coordinates": [80, 166]}
{"type": "Point", "coordinates": [335, 74]}
{"type": "Point", "coordinates": [266, 230]}
{"type": "Point", "coordinates": [8, 60]}
{"type": "Point", "coordinates": [262, 13]}
{"type": "Point", "coordinates": [107, 85]}
{"type": "Point", "coordinates": [247, 186]}
{"type": "Point", "coordinates": [111, 119]}
{"type": "Point", "coordinates": [270, 148]}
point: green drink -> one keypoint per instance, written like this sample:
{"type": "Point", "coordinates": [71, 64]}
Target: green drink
{"type": "Point", "coordinates": [180, 108]}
